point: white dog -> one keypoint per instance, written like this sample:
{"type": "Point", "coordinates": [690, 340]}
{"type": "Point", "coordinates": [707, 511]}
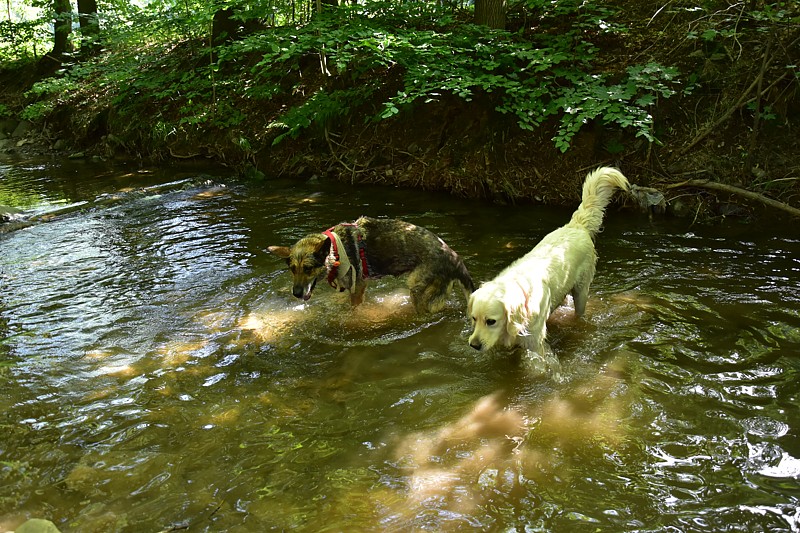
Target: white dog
{"type": "Point", "coordinates": [513, 308]}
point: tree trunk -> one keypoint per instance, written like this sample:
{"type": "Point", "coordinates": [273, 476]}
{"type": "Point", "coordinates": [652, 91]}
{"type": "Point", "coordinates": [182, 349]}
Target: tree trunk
{"type": "Point", "coordinates": [321, 5]}
{"type": "Point", "coordinates": [62, 27]}
{"type": "Point", "coordinates": [223, 27]}
{"type": "Point", "coordinates": [491, 13]}
{"type": "Point", "coordinates": [90, 26]}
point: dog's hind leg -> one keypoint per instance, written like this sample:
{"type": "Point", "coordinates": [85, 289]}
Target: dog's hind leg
{"type": "Point", "coordinates": [467, 293]}
{"type": "Point", "coordinates": [436, 296]}
{"type": "Point", "coordinates": [580, 295]}
{"type": "Point", "coordinates": [357, 294]}
{"type": "Point", "coordinates": [580, 291]}
{"type": "Point", "coordinates": [428, 292]}
{"type": "Point", "coordinates": [427, 298]}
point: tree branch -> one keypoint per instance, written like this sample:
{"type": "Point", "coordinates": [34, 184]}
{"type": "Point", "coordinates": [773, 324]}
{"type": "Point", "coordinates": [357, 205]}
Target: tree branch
{"type": "Point", "coordinates": [743, 99]}
{"type": "Point", "coordinates": [716, 186]}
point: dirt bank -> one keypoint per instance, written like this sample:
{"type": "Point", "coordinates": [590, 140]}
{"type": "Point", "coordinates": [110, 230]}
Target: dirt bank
{"type": "Point", "coordinates": [725, 148]}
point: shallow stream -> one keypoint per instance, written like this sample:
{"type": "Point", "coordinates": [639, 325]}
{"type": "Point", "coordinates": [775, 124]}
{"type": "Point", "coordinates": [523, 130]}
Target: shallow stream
{"type": "Point", "coordinates": [157, 373]}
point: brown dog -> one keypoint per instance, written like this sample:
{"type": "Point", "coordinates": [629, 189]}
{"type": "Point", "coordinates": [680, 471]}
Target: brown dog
{"type": "Point", "coordinates": [349, 254]}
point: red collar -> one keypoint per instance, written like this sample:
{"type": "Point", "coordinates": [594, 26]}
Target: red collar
{"type": "Point", "coordinates": [362, 253]}
{"type": "Point", "coordinates": [334, 271]}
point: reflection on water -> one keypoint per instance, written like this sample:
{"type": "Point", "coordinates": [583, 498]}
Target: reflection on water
{"type": "Point", "coordinates": [158, 374]}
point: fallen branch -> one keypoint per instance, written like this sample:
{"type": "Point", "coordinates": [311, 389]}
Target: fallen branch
{"type": "Point", "coordinates": [352, 171]}
{"type": "Point", "coordinates": [716, 186]}
{"type": "Point", "coordinates": [743, 100]}
{"type": "Point", "coordinates": [182, 156]}
{"type": "Point", "coordinates": [104, 200]}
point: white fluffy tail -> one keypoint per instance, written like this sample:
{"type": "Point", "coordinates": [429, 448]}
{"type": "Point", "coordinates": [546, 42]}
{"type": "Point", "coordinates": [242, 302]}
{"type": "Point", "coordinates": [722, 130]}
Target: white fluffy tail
{"type": "Point", "coordinates": [598, 189]}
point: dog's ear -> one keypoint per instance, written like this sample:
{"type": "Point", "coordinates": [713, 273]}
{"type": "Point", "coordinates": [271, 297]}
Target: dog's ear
{"type": "Point", "coordinates": [323, 249]}
{"type": "Point", "coordinates": [516, 314]}
{"type": "Point", "coordinates": [280, 251]}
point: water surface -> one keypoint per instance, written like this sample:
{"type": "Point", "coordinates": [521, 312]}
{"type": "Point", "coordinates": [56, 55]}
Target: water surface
{"type": "Point", "coordinates": [158, 375]}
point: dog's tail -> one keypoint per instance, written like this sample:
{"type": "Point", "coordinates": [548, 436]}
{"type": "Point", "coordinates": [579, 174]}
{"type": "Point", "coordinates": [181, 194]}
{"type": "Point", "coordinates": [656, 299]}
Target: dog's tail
{"type": "Point", "coordinates": [465, 278]}
{"type": "Point", "coordinates": [598, 189]}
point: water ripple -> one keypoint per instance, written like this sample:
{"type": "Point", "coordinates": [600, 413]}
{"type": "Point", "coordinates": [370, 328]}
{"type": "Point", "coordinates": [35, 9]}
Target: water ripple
{"type": "Point", "coordinates": [151, 345]}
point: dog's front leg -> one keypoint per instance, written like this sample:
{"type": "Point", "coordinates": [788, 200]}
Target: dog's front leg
{"type": "Point", "coordinates": [533, 344]}
{"type": "Point", "coordinates": [540, 360]}
{"type": "Point", "coordinates": [357, 294]}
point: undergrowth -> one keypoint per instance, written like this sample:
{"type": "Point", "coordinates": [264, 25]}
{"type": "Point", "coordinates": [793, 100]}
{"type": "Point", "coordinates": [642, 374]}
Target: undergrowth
{"type": "Point", "coordinates": [532, 80]}
{"type": "Point", "coordinates": [373, 62]}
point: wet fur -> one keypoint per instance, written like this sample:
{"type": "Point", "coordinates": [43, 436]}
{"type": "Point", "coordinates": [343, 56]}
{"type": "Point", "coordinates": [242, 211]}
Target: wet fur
{"type": "Point", "coordinates": [392, 248]}
{"type": "Point", "coordinates": [513, 308]}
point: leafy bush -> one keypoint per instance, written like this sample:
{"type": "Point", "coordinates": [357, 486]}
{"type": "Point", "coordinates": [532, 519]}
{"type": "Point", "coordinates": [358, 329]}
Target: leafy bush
{"type": "Point", "coordinates": [159, 62]}
{"type": "Point", "coordinates": [20, 40]}
{"type": "Point", "coordinates": [38, 110]}
{"type": "Point", "coordinates": [320, 109]}
{"type": "Point", "coordinates": [531, 80]}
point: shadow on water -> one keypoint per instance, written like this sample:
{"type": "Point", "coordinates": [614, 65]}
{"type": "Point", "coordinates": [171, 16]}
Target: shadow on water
{"type": "Point", "coordinates": [158, 374]}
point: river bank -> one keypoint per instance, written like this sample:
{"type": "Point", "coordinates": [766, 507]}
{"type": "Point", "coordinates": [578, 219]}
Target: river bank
{"type": "Point", "coordinates": [702, 193]}
{"type": "Point", "coordinates": [704, 132]}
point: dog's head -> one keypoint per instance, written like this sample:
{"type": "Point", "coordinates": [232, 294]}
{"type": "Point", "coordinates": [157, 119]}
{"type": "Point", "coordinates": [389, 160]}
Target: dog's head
{"type": "Point", "coordinates": [306, 260]}
{"type": "Point", "coordinates": [498, 316]}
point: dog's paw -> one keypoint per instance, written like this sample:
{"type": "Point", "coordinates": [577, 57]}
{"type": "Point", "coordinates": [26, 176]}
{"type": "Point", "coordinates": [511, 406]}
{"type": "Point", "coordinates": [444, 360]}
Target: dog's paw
{"type": "Point", "coordinates": [546, 366]}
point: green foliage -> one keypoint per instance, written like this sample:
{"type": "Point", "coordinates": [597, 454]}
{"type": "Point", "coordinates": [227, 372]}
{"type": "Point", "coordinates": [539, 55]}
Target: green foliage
{"type": "Point", "coordinates": [550, 77]}
{"type": "Point", "coordinates": [376, 59]}
{"type": "Point", "coordinates": [21, 40]}
{"type": "Point", "coordinates": [38, 110]}
{"type": "Point", "coordinates": [49, 93]}
{"type": "Point", "coordinates": [161, 131]}
{"type": "Point", "coordinates": [625, 104]}
{"type": "Point", "coordinates": [322, 108]}
{"type": "Point", "coordinates": [581, 14]}
{"type": "Point", "coordinates": [533, 81]}
{"type": "Point", "coordinates": [766, 113]}
{"type": "Point", "coordinates": [718, 27]}
{"type": "Point", "coordinates": [56, 85]}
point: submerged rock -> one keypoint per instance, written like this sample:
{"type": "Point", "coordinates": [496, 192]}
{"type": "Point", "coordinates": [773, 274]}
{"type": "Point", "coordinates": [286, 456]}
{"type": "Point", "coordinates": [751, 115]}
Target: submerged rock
{"type": "Point", "coordinates": [23, 128]}
{"type": "Point", "coordinates": [649, 200]}
{"type": "Point", "coordinates": [8, 213]}
{"type": "Point", "coordinates": [37, 525]}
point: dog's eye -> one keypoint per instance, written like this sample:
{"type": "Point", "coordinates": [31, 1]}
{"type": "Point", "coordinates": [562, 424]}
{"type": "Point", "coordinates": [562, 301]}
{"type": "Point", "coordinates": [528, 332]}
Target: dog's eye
{"type": "Point", "coordinates": [491, 321]}
{"type": "Point", "coordinates": [307, 269]}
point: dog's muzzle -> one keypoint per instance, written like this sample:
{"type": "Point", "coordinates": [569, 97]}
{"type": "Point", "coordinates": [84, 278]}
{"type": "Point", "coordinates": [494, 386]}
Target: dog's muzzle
{"type": "Point", "coordinates": [299, 291]}
{"type": "Point", "coordinates": [476, 344]}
